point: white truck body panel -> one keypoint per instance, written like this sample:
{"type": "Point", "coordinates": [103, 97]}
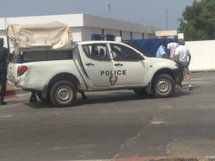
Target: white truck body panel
{"type": "Point", "coordinates": [96, 77]}
{"type": "Point", "coordinates": [97, 72]}
{"type": "Point", "coordinates": [39, 74]}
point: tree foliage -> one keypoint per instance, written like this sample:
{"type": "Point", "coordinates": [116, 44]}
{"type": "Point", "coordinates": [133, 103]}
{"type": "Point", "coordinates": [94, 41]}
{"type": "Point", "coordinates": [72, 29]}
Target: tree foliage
{"type": "Point", "coordinates": [198, 22]}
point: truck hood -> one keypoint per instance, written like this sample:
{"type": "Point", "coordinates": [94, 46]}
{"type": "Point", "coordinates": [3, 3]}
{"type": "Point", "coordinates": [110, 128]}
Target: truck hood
{"type": "Point", "coordinates": [162, 62]}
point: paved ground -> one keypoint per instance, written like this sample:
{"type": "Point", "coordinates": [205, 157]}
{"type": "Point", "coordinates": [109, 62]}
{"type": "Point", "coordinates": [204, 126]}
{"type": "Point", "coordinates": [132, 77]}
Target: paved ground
{"type": "Point", "coordinates": [113, 125]}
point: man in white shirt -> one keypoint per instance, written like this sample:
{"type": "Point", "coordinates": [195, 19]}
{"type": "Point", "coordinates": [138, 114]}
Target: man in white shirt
{"type": "Point", "coordinates": [171, 47]}
{"type": "Point", "coordinates": [183, 57]}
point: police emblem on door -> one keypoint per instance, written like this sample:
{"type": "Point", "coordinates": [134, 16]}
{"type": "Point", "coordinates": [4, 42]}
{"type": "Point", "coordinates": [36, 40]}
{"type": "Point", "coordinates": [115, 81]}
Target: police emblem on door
{"type": "Point", "coordinates": [113, 79]}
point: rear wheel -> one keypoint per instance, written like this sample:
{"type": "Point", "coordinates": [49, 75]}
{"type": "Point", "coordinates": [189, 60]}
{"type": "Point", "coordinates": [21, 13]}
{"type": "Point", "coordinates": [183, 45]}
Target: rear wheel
{"type": "Point", "coordinates": [63, 93]}
{"type": "Point", "coordinates": [163, 86]}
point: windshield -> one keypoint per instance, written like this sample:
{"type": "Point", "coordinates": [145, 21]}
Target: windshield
{"type": "Point", "coordinates": [137, 48]}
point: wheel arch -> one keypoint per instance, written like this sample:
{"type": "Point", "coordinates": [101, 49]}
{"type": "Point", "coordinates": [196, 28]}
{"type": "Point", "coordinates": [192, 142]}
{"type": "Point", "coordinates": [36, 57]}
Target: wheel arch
{"type": "Point", "coordinates": [164, 71]}
{"type": "Point", "coordinates": [64, 76]}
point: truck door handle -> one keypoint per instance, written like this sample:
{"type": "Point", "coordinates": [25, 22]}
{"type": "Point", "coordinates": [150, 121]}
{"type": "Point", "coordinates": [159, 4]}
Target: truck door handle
{"type": "Point", "coordinates": [90, 64]}
{"type": "Point", "coordinates": [118, 65]}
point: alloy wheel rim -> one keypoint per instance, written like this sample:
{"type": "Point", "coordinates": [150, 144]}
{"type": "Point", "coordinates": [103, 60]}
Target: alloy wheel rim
{"type": "Point", "coordinates": [163, 86]}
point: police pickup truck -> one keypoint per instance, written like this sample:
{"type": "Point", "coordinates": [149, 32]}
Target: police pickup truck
{"type": "Point", "coordinates": [58, 75]}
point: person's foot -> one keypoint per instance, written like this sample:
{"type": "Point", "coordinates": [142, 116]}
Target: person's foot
{"type": "Point", "coordinates": [190, 87]}
{"type": "Point", "coordinates": [179, 86]}
{"type": "Point", "coordinates": [83, 96]}
{"type": "Point", "coordinates": [3, 103]}
{"type": "Point", "coordinates": [33, 100]}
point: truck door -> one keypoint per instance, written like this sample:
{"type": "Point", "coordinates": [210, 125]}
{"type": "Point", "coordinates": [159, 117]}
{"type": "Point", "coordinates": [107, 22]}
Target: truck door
{"type": "Point", "coordinates": [97, 64]}
{"type": "Point", "coordinates": [129, 66]}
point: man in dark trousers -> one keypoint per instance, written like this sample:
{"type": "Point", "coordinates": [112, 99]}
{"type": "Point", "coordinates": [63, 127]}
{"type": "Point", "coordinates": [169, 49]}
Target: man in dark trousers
{"type": "Point", "coordinates": [4, 54]}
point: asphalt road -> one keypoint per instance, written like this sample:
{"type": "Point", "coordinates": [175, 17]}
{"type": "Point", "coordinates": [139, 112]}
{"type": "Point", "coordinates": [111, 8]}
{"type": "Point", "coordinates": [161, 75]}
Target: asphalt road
{"type": "Point", "coordinates": [112, 125]}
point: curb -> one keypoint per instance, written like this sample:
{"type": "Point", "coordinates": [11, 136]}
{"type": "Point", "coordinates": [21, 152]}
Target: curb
{"type": "Point", "coordinates": [14, 92]}
{"type": "Point", "coordinates": [10, 93]}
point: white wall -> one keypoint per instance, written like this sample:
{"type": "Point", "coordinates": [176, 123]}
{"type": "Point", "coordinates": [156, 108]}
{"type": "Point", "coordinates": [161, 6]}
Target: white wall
{"type": "Point", "coordinates": [108, 23]}
{"type": "Point", "coordinates": [73, 20]}
{"type": "Point", "coordinates": [88, 31]}
{"type": "Point", "coordinates": [76, 34]}
{"type": "Point", "coordinates": [203, 55]}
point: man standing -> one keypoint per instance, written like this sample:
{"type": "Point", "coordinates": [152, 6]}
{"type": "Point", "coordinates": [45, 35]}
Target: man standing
{"type": "Point", "coordinates": [183, 57]}
{"type": "Point", "coordinates": [171, 47]}
{"type": "Point", "coordinates": [4, 54]}
{"type": "Point", "coordinates": [161, 52]}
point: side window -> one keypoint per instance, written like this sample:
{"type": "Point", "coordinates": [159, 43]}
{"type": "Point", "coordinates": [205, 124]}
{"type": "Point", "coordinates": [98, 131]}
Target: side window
{"type": "Point", "coordinates": [58, 55]}
{"type": "Point", "coordinates": [31, 56]}
{"type": "Point", "coordinates": [97, 52]}
{"type": "Point", "coordinates": [123, 53]}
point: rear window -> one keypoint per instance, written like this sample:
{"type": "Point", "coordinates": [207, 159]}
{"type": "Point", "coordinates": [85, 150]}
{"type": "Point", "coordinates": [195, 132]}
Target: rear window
{"type": "Point", "coordinates": [31, 56]}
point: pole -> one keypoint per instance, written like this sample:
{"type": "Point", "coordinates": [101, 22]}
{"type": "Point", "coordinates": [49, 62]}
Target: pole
{"type": "Point", "coordinates": [109, 8]}
{"type": "Point", "coordinates": [166, 19]}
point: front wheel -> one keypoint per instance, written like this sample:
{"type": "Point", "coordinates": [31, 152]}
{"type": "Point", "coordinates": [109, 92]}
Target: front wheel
{"type": "Point", "coordinates": [163, 86]}
{"type": "Point", "coordinates": [63, 93]}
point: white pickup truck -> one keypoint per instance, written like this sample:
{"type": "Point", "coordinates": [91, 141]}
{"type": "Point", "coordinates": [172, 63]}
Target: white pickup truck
{"type": "Point", "coordinates": [58, 75]}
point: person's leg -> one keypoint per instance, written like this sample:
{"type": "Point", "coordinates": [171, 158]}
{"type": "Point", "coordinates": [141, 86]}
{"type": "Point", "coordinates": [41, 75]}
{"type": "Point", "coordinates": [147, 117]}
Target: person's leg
{"type": "Point", "coordinates": [33, 97]}
{"type": "Point", "coordinates": [2, 94]}
{"type": "Point", "coordinates": [2, 100]}
{"type": "Point", "coordinates": [181, 75]}
{"type": "Point", "coordinates": [3, 84]}
{"type": "Point", "coordinates": [83, 95]}
{"type": "Point", "coordinates": [188, 78]}
{"type": "Point", "coordinates": [181, 79]}
{"type": "Point", "coordinates": [189, 81]}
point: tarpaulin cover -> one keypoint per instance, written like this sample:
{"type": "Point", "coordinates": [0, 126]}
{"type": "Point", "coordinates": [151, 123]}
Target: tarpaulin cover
{"type": "Point", "coordinates": [52, 36]}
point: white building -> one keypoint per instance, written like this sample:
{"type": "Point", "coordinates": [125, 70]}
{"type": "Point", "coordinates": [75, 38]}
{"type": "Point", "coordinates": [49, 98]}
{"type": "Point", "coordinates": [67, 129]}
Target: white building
{"type": "Point", "coordinates": [84, 26]}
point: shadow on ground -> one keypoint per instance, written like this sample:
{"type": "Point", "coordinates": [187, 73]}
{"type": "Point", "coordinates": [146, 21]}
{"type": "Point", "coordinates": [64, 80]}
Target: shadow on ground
{"type": "Point", "coordinates": [115, 96]}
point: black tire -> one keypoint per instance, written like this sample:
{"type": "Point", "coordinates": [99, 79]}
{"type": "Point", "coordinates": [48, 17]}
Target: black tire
{"type": "Point", "coordinates": [140, 91]}
{"type": "Point", "coordinates": [63, 93]}
{"type": "Point", "coordinates": [163, 86]}
{"type": "Point", "coordinates": [42, 99]}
